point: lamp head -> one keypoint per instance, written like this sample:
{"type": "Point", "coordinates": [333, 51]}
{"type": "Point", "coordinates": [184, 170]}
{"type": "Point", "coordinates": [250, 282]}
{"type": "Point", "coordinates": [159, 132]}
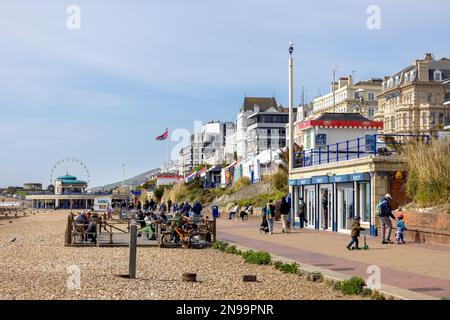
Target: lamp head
{"type": "Point", "coordinates": [291, 47]}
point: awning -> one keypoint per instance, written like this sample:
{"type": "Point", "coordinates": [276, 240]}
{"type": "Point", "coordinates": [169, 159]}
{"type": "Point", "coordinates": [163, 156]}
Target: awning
{"type": "Point", "coordinates": [231, 165]}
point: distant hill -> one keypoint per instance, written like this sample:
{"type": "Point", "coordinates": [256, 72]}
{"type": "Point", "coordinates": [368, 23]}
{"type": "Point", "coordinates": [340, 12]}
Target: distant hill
{"type": "Point", "coordinates": [135, 181]}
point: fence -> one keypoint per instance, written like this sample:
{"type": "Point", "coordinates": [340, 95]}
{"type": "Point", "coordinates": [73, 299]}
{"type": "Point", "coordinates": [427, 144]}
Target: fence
{"type": "Point", "coordinates": [370, 145]}
{"type": "Point", "coordinates": [115, 232]}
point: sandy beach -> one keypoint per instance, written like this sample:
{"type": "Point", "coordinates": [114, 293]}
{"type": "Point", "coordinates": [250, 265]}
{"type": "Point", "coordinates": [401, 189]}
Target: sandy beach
{"type": "Point", "coordinates": [35, 262]}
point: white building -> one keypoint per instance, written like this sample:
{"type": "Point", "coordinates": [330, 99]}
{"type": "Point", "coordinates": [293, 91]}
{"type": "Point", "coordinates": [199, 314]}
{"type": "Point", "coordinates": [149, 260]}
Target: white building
{"type": "Point", "coordinates": [260, 125]}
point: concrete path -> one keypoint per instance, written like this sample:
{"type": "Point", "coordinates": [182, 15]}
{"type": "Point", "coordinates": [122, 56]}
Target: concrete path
{"type": "Point", "coordinates": [417, 269]}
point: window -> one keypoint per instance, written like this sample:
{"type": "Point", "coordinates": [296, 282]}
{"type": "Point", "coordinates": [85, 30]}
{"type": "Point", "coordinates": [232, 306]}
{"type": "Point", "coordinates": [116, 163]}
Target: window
{"type": "Point", "coordinates": [424, 118]}
{"type": "Point", "coordinates": [392, 123]}
{"type": "Point", "coordinates": [441, 118]}
{"type": "Point", "coordinates": [356, 95]}
{"type": "Point", "coordinates": [405, 119]}
{"type": "Point", "coordinates": [371, 112]}
{"type": "Point", "coordinates": [437, 75]}
{"type": "Point", "coordinates": [371, 96]}
{"type": "Point", "coordinates": [406, 77]}
{"type": "Point", "coordinates": [432, 118]}
{"type": "Point", "coordinates": [429, 97]}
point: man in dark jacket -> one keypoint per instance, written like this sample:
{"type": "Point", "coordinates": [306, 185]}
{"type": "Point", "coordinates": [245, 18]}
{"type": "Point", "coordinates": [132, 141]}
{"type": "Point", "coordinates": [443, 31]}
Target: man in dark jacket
{"type": "Point", "coordinates": [284, 211]}
{"type": "Point", "coordinates": [197, 209]}
{"type": "Point", "coordinates": [385, 214]}
{"type": "Point", "coordinates": [186, 208]}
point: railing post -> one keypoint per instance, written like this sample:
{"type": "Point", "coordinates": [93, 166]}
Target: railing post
{"type": "Point", "coordinates": [375, 144]}
{"type": "Point", "coordinates": [303, 158]}
{"type": "Point", "coordinates": [312, 156]}
{"type": "Point", "coordinates": [337, 152]}
{"type": "Point", "coordinates": [328, 153]}
{"type": "Point", "coordinates": [320, 155]}
{"type": "Point", "coordinates": [347, 149]}
{"type": "Point", "coordinates": [358, 147]}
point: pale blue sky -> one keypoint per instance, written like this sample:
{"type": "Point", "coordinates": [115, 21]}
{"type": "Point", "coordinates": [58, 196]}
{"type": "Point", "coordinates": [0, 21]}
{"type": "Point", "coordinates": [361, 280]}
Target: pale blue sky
{"type": "Point", "coordinates": [102, 93]}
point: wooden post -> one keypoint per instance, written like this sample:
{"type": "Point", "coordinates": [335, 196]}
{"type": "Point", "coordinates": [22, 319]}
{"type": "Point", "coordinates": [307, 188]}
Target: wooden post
{"type": "Point", "coordinates": [110, 235]}
{"type": "Point", "coordinates": [214, 230]}
{"type": "Point", "coordinates": [97, 233]}
{"type": "Point", "coordinates": [132, 250]}
{"type": "Point", "coordinates": [69, 230]}
{"type": "Point", "coordinates": [158, 234]}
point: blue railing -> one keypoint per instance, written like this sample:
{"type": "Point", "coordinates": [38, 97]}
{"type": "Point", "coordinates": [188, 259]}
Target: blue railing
{"type": "Point", "coordinates": [369, 145]}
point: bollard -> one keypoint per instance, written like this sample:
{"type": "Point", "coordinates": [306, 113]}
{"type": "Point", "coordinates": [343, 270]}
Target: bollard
{"type": "Point", "coordinates": [69, 230]}
{"type": "Point", "coordinates": [132, 250]}
{"type": "Point", "coordinates": [249, 278]}
{"type": "Point", "coordinates": [214, 230]}
{"type": "Point", "coordinates": [158, 235]}
{"type": "Point", "coordinates": [189, 277]}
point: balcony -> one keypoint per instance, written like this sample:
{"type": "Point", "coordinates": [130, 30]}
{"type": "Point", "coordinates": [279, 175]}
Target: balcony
{"type": "Point", "coordinates": [386, 145]}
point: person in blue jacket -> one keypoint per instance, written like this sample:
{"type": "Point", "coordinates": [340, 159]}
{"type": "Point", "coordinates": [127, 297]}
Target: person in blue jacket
{"type": "Point", "coordinates": [385, 215]}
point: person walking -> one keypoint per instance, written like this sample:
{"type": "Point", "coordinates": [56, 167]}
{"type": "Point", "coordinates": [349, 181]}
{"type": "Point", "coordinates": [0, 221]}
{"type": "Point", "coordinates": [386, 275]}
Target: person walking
{"type": "Point", "coordinates": [169, 205]}
{"type": "Point", "coordinates": [284, 211]}
{"type": "Point", "coordinates": [302, 212]}
{"type": "Point", "coordinates": [270, 215]}
{"type": "Point", "coordinates": [385, 215]}
{"type": "Point", "coordinates": [325, 209]}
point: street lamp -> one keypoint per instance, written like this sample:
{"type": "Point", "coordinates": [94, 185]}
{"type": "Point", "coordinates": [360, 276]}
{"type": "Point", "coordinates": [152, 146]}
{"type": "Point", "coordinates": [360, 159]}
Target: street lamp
{"type": "Point", "coordinates": [291, 108]}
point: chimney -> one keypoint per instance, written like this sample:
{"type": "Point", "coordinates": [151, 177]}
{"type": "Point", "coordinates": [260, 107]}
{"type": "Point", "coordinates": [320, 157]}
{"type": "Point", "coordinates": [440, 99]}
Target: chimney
{"type": "Point", "coordinates": [350, 80]}
{"type": "Point", "coordinates": [428, 57]}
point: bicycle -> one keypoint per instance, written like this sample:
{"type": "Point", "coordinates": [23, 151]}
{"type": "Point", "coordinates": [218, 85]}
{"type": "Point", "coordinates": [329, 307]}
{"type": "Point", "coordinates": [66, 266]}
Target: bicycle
{"type": "Point", "coordinates": [187, 238]}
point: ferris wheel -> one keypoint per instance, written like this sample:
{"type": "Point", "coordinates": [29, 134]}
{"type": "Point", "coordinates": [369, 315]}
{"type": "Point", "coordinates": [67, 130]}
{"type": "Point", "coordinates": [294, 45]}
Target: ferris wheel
{"type": "Point", "coordinates": [70, 165]}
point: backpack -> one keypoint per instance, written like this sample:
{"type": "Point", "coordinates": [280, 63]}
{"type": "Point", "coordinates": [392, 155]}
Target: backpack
{"type": "Point", "coordinates": [379, 207]}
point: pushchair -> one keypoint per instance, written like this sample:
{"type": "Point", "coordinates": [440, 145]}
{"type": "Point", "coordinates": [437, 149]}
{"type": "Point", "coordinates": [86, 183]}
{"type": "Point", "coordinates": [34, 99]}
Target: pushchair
{"type": "Point", "coordinates": [264, 228]}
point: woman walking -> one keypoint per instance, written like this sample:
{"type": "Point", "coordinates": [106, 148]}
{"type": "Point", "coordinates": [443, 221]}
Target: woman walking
{"type": "Point", "coordinates": [270, 215]}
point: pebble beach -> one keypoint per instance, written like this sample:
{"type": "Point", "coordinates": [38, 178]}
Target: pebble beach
{"type": "Point", "coordinates": [35, 264]}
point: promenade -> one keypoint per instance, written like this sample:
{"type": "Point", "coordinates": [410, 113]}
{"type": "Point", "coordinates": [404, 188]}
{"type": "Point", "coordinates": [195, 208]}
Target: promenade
{"type": "Point", "coordinates": [412, 270]}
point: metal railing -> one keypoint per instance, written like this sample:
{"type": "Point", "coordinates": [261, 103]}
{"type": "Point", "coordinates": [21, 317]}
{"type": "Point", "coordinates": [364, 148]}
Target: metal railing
{"type": "Point", "coordinates": [370, 145]}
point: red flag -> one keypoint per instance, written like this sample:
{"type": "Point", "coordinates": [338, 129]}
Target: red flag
{"type": "Point", "coordinates": [164, 136]}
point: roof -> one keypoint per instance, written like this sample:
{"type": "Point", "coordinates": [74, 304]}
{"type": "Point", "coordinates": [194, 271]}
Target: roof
{"type": "Point", "coordinates": [68, 179]}
{"type": "Point", "coordinates": [342, 121]}
{"type": "Point", "coordinates": [341, 116]}
{"type": "Point", "coordinates": [262, 103]}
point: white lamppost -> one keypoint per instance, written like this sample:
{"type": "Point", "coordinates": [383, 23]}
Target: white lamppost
{"type": "Point", "coordinates": [291, 108]}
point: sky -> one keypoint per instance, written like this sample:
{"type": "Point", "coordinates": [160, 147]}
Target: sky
{"type": "Point", "coordinates": [103, 92]}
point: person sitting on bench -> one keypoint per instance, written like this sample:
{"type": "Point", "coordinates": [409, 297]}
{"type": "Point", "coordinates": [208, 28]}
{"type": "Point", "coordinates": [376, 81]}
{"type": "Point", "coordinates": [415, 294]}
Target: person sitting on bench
{"type": "Point", "coordinates": [233, 212]}
{"type": "Point", "coordinates": [244, 213]}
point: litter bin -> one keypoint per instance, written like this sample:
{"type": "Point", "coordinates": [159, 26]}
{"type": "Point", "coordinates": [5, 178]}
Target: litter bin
{"type": "Point", "coordinates": [215, 211]}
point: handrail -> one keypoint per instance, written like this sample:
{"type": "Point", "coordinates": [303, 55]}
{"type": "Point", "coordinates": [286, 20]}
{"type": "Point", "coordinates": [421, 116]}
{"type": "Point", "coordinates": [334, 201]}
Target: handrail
{"type": "Point", "coordinates": [369, 145]}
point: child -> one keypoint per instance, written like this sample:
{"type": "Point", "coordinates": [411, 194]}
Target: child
{"type": "Point", "coordinates": [400, 228]}
{"type": "Point", "coordinates": [356, 228]}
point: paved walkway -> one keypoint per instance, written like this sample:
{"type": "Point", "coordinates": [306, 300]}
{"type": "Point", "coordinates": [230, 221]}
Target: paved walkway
{"type": "Point", "coordinates": [421, 268]}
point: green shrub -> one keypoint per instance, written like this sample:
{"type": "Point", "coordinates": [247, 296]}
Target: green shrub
{"type": "Point", "coordinates": [444, 298]}
{"type": "Point", "coordinates": [232, 250]}
{"type": "Point", "coordinates": [353, 286]}
{"type": "Point", "coordinates": [286, 267]}
{"type": "Point", "coordinates": [257, 257]}
{"type": "Point", "coordinates": [241, 183]}
{"type": "Point", "coordinates": [280, 181]}
{"type": "Point", "coordinates": [220, 245]}
{"type": "Point", "coordinates": [428, 181]}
